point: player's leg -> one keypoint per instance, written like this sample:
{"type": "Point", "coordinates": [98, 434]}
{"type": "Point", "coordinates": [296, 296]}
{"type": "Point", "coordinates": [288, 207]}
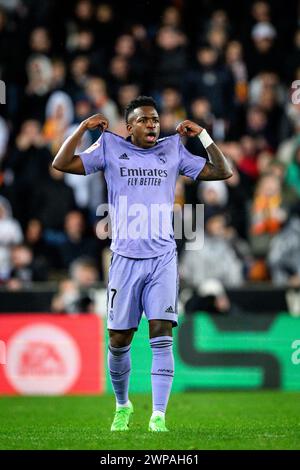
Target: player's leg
{"type": "Point", "coordinates": [123, 317]}
{"type": "Point", "coordinates": [162, 371]}
{"type": "Point", "coordinates": [119, 365]}
{"type": "Point", "coordinates": [160, 304]}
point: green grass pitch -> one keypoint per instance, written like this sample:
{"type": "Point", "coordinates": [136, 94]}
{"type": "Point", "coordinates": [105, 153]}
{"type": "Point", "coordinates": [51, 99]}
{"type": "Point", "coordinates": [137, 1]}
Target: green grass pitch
{"type": "Point", "coordinates": [204, 420]}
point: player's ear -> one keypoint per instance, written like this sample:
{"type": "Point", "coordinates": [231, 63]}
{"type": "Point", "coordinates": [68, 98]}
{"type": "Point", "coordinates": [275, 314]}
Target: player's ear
{"type": "Point", "coordinates": [129, 128]}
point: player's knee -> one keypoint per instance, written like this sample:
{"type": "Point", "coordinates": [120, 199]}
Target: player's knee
{"type": "Point", "coordinates": [120, 339]}
{"type": "Point", "coordinates": [160, 328]}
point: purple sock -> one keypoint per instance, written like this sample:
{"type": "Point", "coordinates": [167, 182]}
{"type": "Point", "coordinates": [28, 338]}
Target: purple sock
{"type": "Point", "coordinates": [162, 372]}
{"type": "Point", "coordinates": [119, 365]}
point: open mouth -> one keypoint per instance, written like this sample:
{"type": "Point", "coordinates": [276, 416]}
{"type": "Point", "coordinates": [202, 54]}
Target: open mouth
{"type": "Point", "coordinates": [151, 137]}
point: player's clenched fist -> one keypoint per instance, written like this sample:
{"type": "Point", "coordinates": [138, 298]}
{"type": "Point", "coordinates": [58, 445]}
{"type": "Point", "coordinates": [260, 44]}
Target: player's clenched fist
{"type": "Point", "coordinates": [97, 120]}
{"type": "Point", "coordinates": [189, 128]}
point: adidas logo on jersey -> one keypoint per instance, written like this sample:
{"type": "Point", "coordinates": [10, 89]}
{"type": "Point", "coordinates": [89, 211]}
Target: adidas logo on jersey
{"type": "Point", "coordinates": [124, 156]}
{"type": "Point", "coordinates": [169, 310]}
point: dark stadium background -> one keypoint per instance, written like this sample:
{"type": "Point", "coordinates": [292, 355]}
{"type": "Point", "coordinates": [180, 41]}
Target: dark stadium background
{"type": "Point", "coordinates": [229, 65]}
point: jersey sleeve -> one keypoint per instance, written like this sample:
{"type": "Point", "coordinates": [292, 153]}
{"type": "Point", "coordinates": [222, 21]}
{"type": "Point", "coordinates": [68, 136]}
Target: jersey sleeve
{"type": "Point", "coordinates": [189, 164]}
{"type": "Point", "coordinates": [93, 158]}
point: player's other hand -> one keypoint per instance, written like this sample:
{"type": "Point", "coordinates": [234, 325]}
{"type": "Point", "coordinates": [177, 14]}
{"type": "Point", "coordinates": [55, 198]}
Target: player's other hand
{"type": "Point", "coordinates": [189, 128]}
{"type": "Point", "coordinates": [95, 121]}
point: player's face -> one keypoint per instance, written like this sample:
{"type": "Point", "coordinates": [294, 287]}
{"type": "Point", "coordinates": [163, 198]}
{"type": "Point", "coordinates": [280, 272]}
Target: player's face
{"type": "Point", "coordinates": [144, 126]}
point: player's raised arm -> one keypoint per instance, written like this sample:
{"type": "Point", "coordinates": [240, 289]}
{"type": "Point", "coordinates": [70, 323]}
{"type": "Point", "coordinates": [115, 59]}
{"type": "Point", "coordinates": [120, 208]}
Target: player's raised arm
{"type": "Point", "coordinates": [65, 160]}
{"type": "Point", "coordinates": [218, 167]}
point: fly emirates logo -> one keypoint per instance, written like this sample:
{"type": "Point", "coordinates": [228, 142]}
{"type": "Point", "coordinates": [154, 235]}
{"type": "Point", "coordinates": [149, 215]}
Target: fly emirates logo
{"type": "Point", "coordinates": [143, 176]}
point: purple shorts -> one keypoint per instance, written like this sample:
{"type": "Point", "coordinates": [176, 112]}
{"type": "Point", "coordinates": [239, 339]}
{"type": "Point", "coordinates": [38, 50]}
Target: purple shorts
{"type": "Point", "coordinates": [142, 285]}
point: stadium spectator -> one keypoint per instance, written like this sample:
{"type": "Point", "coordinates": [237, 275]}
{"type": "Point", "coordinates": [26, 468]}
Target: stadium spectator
{"type": "Point", "coordinates": [39, 72]}
{"type": "Point", "coordinates": [290, 196]}
{"type": "Point", "coordinates": [263, 54]}
{"type": "Point", "coordinates": [171, 17]}
{"type": "Point", "coordinates": [83, 108]}
{"type": "Point", "coordinates": [167, 123]}
{"type": "Point", "coordinates": [75, 293]}
{"type": "Point", "coordinates": [119, 74]}
{"type": "Point", "coordinates": [127, 47]}
{"type": "Point", "coordinates": [96, 91]}
{"type": "Point", "coordinates": [235, 61]}
{"type": "Point", "coordinates": [170, 58]}
{"type": "Point", "coordinates": [79, 75]}
{"type": "Point", "coordinates": [214, 196]}
{"type": "Point", "coordinates": [59, 75]}
{"type": "Point", "coordinates": [263, 82]}
{"type": "Point", "coordinates": [52, 200]}
{"type": "Point", "coordinates": [248, 161]}
{"type": "Point", "coordinates": [40, 42]}
{"type": "Point", "coordinates": [43, 253]}
{"type": "Point", "coordinates": [238, 200]}
{"type": "Point", "coordinates": [84, 272]}
{"type": "Point", "coordinates": [219, 20]}
{"type": "Point", "coordinates": [77, 242]}
{"type": "Point", "coordinates": [82, 43]}
{"type": "Point", "coordinates": [199, 265]}
{"type": "Point", "coordinates": [261, 11]}
{"type": "Point", "coordinates": [267, 214]}
{"type": "Point", "coordinates": [212, 80]}
{"type": "Point", "coordinates": [70, 299]}
{"type": "Point", "coordinates": [201, 112]}
{"type": "Point", "coordinates": [171, 100]}
{"type": "Point", "coordinates": [106, 27]}
{"type": "Point", "coordinates": [127, 93]}
{"type": "Point", "coordinates": [83, 14]}
{"type": "Point", "coordinates": [10, 234]}
{"type": "Point", "coordinates": [59, 116]}
{"type": "Point", "coordinates": [25, 268]}
{"type": "Point", "coordinates": [210, 297]}
{"type": "Point", "coordinates": [270, 106]}
{"type": "Point", "coordinates": [284, 255]}
{"type": "Point", "coordinates": [217, 39]}
{"type": "Point", "coordinates": [257, 126]}
{"type": "Point", "coordinates": [27, 164]}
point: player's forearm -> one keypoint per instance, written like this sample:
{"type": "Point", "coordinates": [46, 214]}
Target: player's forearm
{"type": "Point", "coordinates": [65, 155]}
{"type": "Point", "coordinates": [219, 161]}
{"type": "Point", "coordinates": [218, 167]}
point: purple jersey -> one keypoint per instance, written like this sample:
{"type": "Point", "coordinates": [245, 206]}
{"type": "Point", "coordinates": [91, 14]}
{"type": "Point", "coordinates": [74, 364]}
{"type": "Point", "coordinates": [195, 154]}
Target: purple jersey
{"type": "Point", "coordinates": [141, 188]}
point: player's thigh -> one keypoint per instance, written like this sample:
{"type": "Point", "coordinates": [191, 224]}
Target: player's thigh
{"type": "Point", "coordinates": [124, 290]}
{"type": "Point", "coordinates": [161, 292]}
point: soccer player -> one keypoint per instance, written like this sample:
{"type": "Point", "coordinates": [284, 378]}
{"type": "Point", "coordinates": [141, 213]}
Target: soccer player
{"type": "Point", "coordinates": [143, 273]}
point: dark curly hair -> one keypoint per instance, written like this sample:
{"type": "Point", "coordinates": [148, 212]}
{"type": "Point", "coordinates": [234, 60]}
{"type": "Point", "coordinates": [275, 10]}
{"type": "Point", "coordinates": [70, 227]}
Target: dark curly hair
{"type": "Point", "coordinates": [137, 103]}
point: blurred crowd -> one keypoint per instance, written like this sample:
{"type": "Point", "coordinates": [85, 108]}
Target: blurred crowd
{"type": "Point", "coordinates": [230, 68]}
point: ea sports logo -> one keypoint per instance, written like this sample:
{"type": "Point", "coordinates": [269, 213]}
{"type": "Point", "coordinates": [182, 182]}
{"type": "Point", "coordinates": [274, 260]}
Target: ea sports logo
{"type": "Point", "coordinates": [42, 359]}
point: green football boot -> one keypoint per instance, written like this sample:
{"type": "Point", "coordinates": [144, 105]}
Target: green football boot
{"type": "Point", "coordinates": [121, 419]}
{"type": "Point", "coordinates": [157, 424]}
